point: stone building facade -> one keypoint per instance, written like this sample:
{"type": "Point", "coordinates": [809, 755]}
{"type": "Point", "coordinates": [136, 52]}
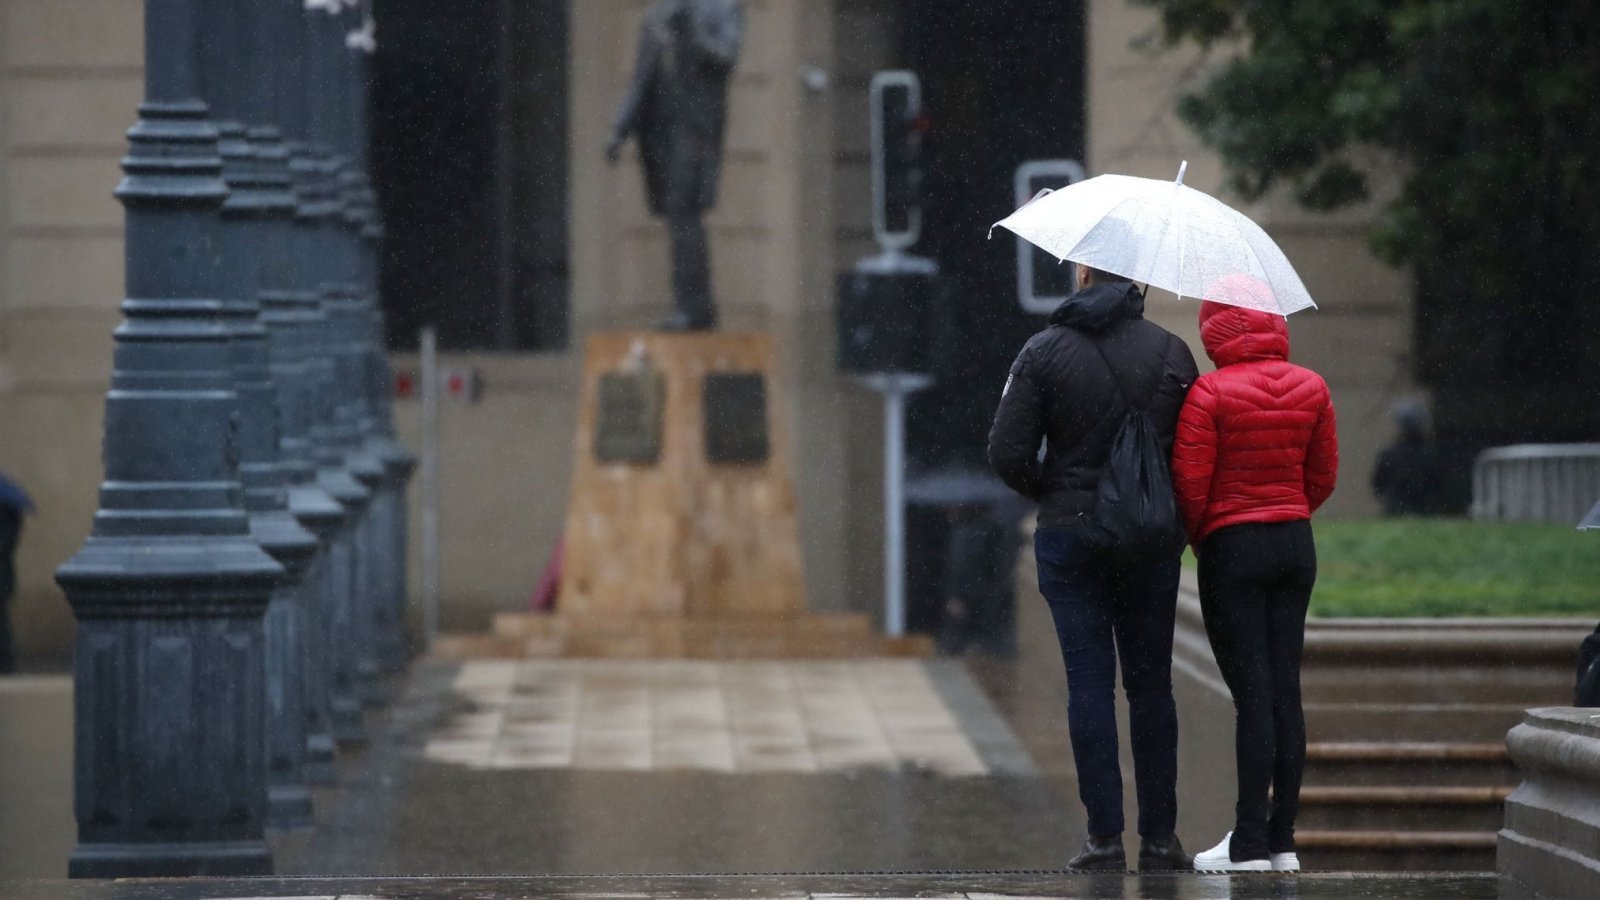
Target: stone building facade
{"type": "Point", "coordinates": [793, 211]}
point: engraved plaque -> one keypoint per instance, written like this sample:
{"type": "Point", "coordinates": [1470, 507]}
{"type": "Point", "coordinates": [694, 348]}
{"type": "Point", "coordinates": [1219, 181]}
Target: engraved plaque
{"type": "Point", "coordinates": [628, 423]}
{"type": "Point", "coordinates": [735, 408]}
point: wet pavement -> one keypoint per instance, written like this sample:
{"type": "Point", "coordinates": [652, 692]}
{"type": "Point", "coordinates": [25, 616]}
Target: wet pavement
{"type": "Point", "coordinates": [404, 811]}
{"type": "Point", "coordinates": [505, 779]}
{"type": "Point", "coordinates": [951, 886]}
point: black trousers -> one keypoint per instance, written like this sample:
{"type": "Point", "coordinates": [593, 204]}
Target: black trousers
{"type": "Point", "coordinates": [1255, 586]}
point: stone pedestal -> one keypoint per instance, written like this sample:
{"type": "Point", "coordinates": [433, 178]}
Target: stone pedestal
{"type": "Point", "coordinates": [1550, 846]}
{"type": "Point", "coordinates": [682, 536]}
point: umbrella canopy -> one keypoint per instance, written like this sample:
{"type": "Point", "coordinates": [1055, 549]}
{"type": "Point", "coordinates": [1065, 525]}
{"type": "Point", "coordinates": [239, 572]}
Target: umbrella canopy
{"type": "Point", "coordinates": [1164, 234]}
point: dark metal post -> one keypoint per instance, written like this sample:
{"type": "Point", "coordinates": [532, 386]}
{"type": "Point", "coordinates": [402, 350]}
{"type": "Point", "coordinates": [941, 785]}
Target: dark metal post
{"type": "Point", "coordinates": [279, 99]}
{"type": "Point", "coordinates": [331, 128]}
{"type": "Point", "coordinates": [169, 590]}
{"type": "Point", "coordinates": [258, 200]}
{"type": "Point", "coordinates": [291, 319]}
{"type": "Point", "coordinates": [305, 118]}
{"type": "Point", "coordinates": [376, 394]}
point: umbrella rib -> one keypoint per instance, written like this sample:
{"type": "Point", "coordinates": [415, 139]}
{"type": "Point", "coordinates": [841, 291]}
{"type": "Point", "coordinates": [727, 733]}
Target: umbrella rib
{"type": "Point", "coordinates": [1183, 231]}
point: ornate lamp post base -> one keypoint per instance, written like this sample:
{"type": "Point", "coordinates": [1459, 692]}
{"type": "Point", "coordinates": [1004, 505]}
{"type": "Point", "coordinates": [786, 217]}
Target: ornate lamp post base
{"type": "Point", "coordinates": [238, 858]}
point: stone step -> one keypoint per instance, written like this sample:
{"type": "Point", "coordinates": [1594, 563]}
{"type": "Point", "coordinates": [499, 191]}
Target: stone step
{"type": "Point", "coordinates": [1354, 763]}
{"type": "Point", "coordinates": [1411, 809]}
{"type": "Point", "coordinates": [1395, 851]}
{"type": "Point", "coordinates": [1444, 722]}
{"type": "Point", "coordinates": [1525, 685]}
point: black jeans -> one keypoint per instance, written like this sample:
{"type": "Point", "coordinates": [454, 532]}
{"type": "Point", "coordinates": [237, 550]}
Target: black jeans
{"type": "Point", "coordinates": [1255, 585]}
{"type": "Point", "coordinates": [1101, 611]}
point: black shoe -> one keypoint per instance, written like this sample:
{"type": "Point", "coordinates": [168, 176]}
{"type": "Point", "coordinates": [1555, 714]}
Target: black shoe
{"type": "Point", "coordinates": [681, 321]}
{"type": "Point", "coordinates": [1100, 854]}
{"type": "Point", "coordinates": [1164, 855]}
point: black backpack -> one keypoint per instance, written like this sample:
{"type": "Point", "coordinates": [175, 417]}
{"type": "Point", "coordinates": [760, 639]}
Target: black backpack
{"type": "Point", "coordinates": [1135, 514]}
{"type": "Point", "coordinates": [1588, 689]}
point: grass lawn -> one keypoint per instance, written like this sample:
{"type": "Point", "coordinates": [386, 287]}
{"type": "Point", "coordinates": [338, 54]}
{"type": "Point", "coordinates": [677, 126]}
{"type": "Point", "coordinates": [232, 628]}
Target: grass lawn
{"type": "Point", "coordinates": [1450, 567]}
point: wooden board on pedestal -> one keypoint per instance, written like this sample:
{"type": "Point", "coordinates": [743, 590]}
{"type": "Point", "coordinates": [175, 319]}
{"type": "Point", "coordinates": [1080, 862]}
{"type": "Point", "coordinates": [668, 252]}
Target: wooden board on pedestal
{"type": "Point", "coordinates": [684, 535]}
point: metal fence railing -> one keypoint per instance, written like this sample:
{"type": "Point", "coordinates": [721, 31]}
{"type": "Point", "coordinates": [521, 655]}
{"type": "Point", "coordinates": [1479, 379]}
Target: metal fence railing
{"type": "Point", "coordinates": [1536, 483]}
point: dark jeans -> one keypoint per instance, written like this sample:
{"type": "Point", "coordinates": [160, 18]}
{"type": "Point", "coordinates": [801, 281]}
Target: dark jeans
{"type": "Point", "coordinates": [691, 268]}
{"type": "Point", "coordinates": [1255, 585]}
{"type": "Point", "coordinates": [1101, 611]}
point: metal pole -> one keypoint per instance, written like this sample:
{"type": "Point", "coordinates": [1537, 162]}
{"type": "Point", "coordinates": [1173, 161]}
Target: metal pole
{"type": "Point", "coordinates": [895, 388]}
{"type": "Point", "coordinates": [169, 590]}
{"type": "Point", "coordinates": [894, 510]}
{"type": "Point", "coordinates": [430, 486]}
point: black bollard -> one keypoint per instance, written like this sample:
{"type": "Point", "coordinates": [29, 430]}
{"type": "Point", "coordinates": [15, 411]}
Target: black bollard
{"type": "Point", "coordinates": [331, 125]}
{"type": "Point", "coordinates": [394, 648]}
{"type": "Point", "coordinates": [258, 201]}
{"type": "Point", "coordinates": [169, 590]}
{"type": "Point", "coordinates": [292, 319]}
{"type": "Point", "coordinates": [389, 546]}
{"type": "Point", "coordinates": [306, 116]}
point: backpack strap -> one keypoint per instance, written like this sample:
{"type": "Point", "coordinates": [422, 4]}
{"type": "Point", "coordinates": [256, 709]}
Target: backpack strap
{"type": "Point", "coordinates": [1116, 379]}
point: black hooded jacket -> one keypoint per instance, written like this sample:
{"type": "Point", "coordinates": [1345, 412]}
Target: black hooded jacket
{"type": "Point", "coordinates": [1062, 390]}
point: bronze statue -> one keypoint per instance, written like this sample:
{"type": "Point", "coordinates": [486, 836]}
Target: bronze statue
{"type": "Point", "coordinates": [677, 105]}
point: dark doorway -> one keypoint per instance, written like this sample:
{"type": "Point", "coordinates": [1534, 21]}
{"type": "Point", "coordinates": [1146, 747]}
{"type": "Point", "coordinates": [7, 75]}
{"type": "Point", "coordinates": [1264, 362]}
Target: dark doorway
{"type": "Point", "coordinates": [1003, 83]}
{"type": "Point", "coordinates": [469, 136]}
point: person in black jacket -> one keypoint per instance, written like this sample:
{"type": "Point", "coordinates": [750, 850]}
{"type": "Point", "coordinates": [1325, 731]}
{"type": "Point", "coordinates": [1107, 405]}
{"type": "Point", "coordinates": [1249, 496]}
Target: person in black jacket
{"type": "Point", "coordinates": [1063, 390]}
{"type": "Point", "coordinates": [13, 504]}
{"type": "Point", "coordinates": [1587, 692]}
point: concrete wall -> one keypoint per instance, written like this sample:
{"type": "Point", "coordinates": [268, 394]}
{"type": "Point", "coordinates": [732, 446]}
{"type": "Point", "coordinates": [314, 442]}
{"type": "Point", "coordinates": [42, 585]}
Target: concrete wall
{"type": "Point", "coordinates": [1360, 336]}
{"type": "Point", "coordinates": [70, 79]}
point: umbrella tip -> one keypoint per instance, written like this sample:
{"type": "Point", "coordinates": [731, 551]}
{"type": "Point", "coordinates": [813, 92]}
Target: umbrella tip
{"type": "Point", "coordinates": [1182, 168]}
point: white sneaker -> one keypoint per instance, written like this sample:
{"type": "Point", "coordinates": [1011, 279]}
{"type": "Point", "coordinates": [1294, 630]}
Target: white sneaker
{"type": "Point", "coordinates": [1216, 860]}
{"type": "Point", "coordinates": [1285, 862]}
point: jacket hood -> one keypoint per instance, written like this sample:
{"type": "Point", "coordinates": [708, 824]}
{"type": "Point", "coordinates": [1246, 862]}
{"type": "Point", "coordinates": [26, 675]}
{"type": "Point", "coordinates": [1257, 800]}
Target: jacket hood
{"type": "Point", "coordinates": [1099, 306]}
{"type": "Point", "coordinates": [1233, 334]}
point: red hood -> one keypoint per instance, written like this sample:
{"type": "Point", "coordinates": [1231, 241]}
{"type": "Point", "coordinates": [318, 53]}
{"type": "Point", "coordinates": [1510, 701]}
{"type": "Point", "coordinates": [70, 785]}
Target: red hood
{"type": "Point", "coordinates": [1233, 334]}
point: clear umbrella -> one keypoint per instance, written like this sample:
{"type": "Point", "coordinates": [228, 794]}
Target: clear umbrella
{"type": "Point", "coordinates": [1164, 234]}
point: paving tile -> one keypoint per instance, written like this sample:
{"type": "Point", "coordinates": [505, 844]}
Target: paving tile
{"type": "Point", "coordinates": [705, 715]}
{"type": "Point", "coordinates": [511, 756]}
{"type": "Point", "coordinates": [465, 753]}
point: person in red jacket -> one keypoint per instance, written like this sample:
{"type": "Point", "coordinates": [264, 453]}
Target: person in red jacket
{"type": "Point", "coordinates": [1256, 453]}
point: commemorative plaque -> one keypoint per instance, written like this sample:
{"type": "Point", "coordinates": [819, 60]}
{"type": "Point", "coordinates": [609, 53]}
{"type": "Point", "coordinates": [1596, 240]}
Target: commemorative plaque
{"type": "Point", "coordinates": [735, 405]}
{"type": "Point", "coordinates": [628, 421]}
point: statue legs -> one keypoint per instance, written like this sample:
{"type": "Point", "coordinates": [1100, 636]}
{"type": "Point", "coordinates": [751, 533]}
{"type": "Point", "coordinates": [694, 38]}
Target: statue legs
{"type": "Point", "coordinates": [691, 274]}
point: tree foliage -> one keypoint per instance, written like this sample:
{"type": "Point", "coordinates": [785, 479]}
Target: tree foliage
{"type": "Point", "coordinates": [1488, 107]}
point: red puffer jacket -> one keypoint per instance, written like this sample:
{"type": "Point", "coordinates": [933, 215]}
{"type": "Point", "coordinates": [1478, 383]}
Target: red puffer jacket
{"type": "Point", "coordinates": [1256, 438]}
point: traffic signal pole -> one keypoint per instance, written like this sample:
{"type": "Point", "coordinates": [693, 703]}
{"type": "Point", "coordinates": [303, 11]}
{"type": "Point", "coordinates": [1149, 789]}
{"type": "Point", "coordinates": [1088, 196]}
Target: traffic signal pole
{"type": "Point", "coordinates": [896, 128]}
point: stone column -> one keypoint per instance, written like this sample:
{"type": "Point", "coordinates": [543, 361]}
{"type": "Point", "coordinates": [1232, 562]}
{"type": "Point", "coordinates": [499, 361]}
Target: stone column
{"type": "Point", "coordinates": [1550, 846]}
{"type": "Point", "coordinates": [170, 588]}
